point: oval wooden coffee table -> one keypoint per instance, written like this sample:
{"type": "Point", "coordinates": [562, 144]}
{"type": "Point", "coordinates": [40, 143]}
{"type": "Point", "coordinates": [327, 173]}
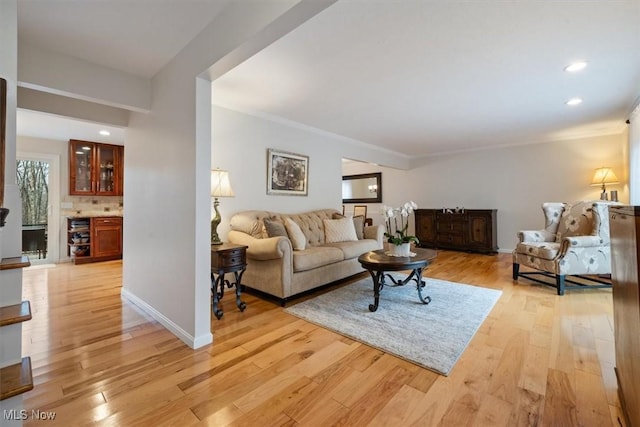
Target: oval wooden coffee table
{"type": "Point", "coordinates": [377, 263]}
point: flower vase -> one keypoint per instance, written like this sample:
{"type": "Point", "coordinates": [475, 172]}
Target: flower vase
{"type": "Point", "coordinates": [403, 249]}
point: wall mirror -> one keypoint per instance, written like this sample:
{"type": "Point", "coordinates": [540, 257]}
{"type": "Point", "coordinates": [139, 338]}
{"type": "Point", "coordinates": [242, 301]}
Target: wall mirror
{"type": "Point", "coordinates": [362, 188]}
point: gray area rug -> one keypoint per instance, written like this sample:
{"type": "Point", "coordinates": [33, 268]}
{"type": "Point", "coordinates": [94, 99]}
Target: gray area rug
{"type": "Point", "coordinates": [432, 336]}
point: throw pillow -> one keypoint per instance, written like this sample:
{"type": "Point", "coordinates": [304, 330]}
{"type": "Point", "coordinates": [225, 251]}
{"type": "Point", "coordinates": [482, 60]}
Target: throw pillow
{"type": "Point", "coordinates": [275, 228]}
{"type": "Point", "coordinates": [297, 237]}
{"type": "Point", "coordinates": [358, 223]}
{"type": "Point", "coordinates": [339, 230]}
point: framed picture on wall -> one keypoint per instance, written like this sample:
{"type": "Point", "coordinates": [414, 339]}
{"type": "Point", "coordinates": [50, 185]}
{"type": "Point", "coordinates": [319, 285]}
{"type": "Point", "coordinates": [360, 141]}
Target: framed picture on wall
{"type": "Point", "coordinates": [287, 173]}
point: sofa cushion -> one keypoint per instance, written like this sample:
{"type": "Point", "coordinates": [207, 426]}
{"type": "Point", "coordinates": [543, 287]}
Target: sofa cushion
{"type": "Point", "coordinates": [274, 228]}
{"type": "Point", "coordinates": [357, 248]}
{"type": "Point", "coordinates": [316, 256]}
{"type": "Point", "coordinates": [339, 230]}
{"type": "Point", "coordinates": [576, 220]}
{"type": "Point", "coordinates": [297, 237]}
{"type": "Point", "coordinates": [544, 250]}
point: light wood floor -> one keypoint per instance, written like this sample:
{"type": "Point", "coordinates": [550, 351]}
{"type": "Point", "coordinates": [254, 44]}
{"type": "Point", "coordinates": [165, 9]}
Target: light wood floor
{"type": "Point", "coordinates": [538, 359]}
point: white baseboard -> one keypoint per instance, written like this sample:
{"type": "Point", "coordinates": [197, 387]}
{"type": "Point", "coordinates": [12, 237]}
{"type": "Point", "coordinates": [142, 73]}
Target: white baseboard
{"type": "Point", "coordinates": [188, 339]}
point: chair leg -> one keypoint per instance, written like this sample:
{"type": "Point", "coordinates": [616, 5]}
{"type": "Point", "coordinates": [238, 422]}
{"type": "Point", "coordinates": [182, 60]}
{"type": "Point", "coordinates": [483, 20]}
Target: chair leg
{"type": "Point", "coordinates": [560, 284]}
{"type": "Point", "coordinates": [516, 270]}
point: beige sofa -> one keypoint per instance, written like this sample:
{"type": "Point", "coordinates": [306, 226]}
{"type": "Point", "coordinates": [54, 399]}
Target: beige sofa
{"type": "Point", "coordinates": [275, 268]}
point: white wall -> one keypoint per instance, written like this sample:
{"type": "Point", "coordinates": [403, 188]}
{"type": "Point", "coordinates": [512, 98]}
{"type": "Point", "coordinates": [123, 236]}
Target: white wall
{"type": "Point", "coordinates": [11, 280]}
{"type": "Point", "coordinates": [239, 145]}
{"type": "Point", "coordinates": [80, 79]}
{"type": "Point", "coordinates": [515, 180]}
{"type": "Point", "coordinates": [167, 203]}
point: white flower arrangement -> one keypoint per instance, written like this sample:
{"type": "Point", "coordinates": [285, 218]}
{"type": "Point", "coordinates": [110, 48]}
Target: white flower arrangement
{"type": "Point", "coordinates": [397, 235]}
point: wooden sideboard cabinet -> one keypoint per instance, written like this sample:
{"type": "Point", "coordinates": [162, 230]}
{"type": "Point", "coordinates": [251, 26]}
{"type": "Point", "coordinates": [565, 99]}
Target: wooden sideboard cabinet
{"type": "Point", "coordinates": [472, 230]}
{"type": "Point", "coordinates": [624, 223]}
{"type": "Point", "coordinates": [95, 169]}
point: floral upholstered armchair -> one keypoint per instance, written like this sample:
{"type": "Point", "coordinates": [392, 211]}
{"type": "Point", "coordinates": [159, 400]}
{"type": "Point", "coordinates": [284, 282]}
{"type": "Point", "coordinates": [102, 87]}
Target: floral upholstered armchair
{"type": "Point", "coordinates": [574, 242]}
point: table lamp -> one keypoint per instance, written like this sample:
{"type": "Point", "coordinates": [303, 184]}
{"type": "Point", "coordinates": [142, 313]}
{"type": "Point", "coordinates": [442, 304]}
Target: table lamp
{"type": "Point", "coordinates": [220, 187]}
{"type": "Point", "coordinates": [604, 175]}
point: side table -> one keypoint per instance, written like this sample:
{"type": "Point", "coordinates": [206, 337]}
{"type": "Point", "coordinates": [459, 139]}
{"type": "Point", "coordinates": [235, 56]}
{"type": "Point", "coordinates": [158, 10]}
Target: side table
{"type": "Point", "coordinates": [227, 258]}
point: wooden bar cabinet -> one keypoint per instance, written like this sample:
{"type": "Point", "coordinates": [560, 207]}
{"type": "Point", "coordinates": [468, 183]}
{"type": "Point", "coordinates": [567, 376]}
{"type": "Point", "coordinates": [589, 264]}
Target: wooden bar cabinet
{"type": "Point", "coordinates": [624, 223]}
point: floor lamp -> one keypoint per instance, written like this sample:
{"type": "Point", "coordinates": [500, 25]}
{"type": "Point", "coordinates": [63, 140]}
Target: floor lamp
{"type": "Point", "coordinates": [220, 187]}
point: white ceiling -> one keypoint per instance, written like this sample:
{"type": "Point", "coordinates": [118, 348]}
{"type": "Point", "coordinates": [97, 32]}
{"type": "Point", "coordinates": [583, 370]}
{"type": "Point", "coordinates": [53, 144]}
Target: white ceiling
{"type": "Point", "coordinates": [41, 125]}
{"type": "Point", "coordinates": [415, 77]}
{"type": "Point", "coordinates": [135, 36]}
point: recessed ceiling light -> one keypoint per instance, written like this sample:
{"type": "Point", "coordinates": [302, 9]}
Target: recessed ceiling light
{"type": "Point", "coordinates": [104, 132]}
{"type": "Point", "coordinates": [575, 67]}
{"type": "Point", "coordinates": [86, 148]}
{"type": "Point", "coordinates": [574, 101]}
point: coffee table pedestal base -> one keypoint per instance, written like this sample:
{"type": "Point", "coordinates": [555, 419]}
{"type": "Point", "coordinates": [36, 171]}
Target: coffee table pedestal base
{"type": "Point", "coordinates": [379, 282]}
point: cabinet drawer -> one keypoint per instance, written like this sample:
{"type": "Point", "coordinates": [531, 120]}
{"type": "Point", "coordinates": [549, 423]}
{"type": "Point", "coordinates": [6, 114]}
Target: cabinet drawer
{"type": "Point", "coordinates": [112, 220]}
{"type": "Point", "coordinates": [451, 226]}
{"type": "Point", "coordinates": [451, 239]}
{"type": "Point", "coordinates": [226, 259]}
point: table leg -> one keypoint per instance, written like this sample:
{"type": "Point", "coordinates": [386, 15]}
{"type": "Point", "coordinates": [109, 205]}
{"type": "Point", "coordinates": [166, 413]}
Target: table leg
{"type": "Point", "coordinates": [419, 285]}
{"type": "Point", "coordinates": [238, 275]}
{"type": "Point", "coordinates": [216, 282]}
{"type": "Point", "coordinates": [378, 283]}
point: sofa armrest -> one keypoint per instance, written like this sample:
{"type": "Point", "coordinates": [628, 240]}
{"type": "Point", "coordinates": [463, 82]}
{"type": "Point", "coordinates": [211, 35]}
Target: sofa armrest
{"type": "Point", "coordinates": [375, 232]}
{"type": "Point", "coordinates": [536, 236]}
{"type": "Point", "coordinates": [262, 249]}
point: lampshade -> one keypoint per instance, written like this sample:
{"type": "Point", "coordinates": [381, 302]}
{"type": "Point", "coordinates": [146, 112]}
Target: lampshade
{"type": "Point", "coordinates": [604, 175]}
{"type": "Point", "coordinates": [220, 185]}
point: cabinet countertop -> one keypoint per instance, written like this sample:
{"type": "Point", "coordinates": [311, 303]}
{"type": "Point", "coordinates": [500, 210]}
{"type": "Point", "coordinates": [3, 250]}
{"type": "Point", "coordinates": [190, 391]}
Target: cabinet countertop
{"type": "Point", "coordinates": [94, 214]}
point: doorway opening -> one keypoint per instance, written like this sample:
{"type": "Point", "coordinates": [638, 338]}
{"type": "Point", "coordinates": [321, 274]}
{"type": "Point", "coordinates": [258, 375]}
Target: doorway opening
{"type": "Point", "coordinates": [38, 189]}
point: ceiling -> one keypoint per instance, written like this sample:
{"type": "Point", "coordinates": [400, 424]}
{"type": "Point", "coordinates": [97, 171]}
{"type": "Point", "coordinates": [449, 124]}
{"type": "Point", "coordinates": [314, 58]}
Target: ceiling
{"type": "Point", "coordinates": [135, 36]}
{"type": "Point", "coordinates": [414, 77]}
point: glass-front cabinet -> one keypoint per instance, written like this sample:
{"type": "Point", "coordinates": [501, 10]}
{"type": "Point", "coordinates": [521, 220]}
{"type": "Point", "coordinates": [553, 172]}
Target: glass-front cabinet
{"type": "Point", "coordinates": [107, 158]}
{"type": "Point", "coordinates": [95, 169]}
{"type": "Point", "coordinates": [81, 163]}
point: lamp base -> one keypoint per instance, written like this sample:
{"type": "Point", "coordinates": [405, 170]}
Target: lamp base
{"type": "Point", "coordinates": [215, 239]}
{"type": "Point", "coordinates": [603, 196]}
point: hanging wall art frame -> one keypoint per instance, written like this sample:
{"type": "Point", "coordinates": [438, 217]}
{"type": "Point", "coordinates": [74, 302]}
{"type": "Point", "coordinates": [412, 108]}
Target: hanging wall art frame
{"type": "Point", "coordinates": [287, 173]}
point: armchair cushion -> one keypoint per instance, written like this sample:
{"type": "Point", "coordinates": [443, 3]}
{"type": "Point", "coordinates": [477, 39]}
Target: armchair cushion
{"type": "Point", "coordinates": [576, 220]}
{"type": "Point", "coordinates": [544, 250]}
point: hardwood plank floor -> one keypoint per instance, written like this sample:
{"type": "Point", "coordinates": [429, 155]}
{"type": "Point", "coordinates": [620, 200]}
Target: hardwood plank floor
{"type": "Point", "coordinates": [538, 360]}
